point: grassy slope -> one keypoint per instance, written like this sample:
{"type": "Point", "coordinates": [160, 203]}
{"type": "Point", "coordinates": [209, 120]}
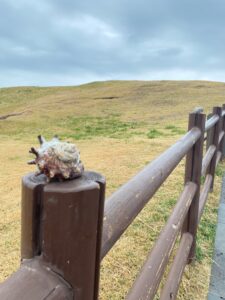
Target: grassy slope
{"type": "Point", "coordinates": [117, 137]}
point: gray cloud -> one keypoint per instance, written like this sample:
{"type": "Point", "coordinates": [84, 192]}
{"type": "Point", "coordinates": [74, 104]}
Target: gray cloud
{"type": "Point", "coordinates": [54, 42]}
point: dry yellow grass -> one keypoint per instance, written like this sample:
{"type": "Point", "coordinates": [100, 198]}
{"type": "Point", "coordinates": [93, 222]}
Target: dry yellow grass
{"type": "Point", "coordinates": [153, 108]}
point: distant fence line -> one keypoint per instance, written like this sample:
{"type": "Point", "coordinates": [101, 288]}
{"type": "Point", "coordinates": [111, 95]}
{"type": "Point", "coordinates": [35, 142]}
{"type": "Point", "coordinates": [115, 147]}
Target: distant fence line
{"type": "Point", "coordinates": [67, 230]}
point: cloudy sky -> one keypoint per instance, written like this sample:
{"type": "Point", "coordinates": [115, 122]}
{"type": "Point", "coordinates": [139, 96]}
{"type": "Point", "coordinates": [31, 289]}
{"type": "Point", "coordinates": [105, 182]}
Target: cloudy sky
{"type": "Point", "coordinates": [68, 42]}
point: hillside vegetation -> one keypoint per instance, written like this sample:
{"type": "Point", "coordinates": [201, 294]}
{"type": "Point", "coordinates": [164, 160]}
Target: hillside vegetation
{"type": "Point", "coordinates": [119, 126]}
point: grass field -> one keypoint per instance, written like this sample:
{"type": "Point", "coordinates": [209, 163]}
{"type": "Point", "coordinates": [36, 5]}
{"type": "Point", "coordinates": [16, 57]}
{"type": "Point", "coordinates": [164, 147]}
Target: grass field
{"type": "Point", "coordinates": [119, 126]}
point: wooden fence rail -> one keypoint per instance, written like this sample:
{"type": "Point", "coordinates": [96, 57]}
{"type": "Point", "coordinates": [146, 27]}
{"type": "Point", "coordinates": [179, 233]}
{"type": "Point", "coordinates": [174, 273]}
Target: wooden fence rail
{"type": "Point", "coordinates": [66, 230]}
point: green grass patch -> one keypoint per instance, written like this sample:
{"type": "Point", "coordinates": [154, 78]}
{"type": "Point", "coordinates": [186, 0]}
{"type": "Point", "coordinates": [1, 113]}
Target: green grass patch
{"type": "Point", "coordinates": [154, 133]}
{"type": "Point", "coordinates": [87, 127]}
{"type": "Point", "coordinates": [163, 209]}
{"type": "Point", "coordinates": [175, 129]}
{"type": "Point", "coordinates": [202, 179]}
{"type": "Point", "coordinates": [219, 171]}
{"type": "Point", "coordinates": [206, 235]}
{"type": "Point", "coordinates": [199, 253]}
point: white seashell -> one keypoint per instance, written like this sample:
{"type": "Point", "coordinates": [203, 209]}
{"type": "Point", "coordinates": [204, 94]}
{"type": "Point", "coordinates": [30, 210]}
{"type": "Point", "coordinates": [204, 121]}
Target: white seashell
{"type": "Point", "coordinates": [57, 159]}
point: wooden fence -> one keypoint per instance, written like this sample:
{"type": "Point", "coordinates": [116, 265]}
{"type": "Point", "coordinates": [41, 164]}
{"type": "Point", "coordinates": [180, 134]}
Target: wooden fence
{"type": "Point", "coordinates": [67, 231]}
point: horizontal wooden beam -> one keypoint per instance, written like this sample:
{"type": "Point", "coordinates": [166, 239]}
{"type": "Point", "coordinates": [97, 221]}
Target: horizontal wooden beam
{"type": "Point", "coordinates": [204, 195]}
{"type": "Point", "coordinates": [218, 157]}
{"type": "Point", "coordinates": [207, 158]}
{"type": "Point", "coordinates": [35, 281]}
{"type": "Point", "coordinates": [126, 203]}
{"type": "Point", "coordinates": [151, 273]}
{"type": "Point", "coordinates": [221, 135]}
{"type": "Point", "coordinates": [211, 122]}
{"type": "Point", "coordinates": [175, 275]}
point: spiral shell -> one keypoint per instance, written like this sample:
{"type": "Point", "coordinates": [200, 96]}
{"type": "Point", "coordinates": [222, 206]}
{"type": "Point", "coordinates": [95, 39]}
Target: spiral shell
{"type": "Point", "coordinates": [57, 159]}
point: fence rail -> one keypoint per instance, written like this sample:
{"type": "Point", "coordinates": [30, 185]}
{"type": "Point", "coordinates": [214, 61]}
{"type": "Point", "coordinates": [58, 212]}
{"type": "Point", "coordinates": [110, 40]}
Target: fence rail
{"type": "Point", "coordinates": [125, 204]}
{"type": "Point", "coordinates": [67, 231]}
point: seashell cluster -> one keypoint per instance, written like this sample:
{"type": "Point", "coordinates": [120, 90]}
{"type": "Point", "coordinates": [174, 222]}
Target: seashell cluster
{"type": "Point", "coordinates": [56, 159]}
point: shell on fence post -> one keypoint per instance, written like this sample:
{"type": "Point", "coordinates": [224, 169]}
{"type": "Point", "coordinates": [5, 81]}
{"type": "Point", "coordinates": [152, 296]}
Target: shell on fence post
{"type": "Point", "coordinates": [56, 159]}
{"type": "Point", "coordinates": [61, 229]}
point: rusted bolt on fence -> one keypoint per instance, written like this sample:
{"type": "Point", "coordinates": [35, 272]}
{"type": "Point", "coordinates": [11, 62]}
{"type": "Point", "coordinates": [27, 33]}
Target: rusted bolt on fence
{"type": "Point", "coordinates": [61, 240]}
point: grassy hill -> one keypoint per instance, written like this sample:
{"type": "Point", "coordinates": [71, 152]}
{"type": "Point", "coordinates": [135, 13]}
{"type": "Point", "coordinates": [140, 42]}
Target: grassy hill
{"type": "Point", "coordinates": [118, 126]}
{"type": "Point", "coordinates": [81, 112]}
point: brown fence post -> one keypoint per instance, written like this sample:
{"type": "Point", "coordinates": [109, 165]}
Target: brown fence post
{"type": "Point", "coordinates": [222, 145]}
{"type": "Point", "coordinates": [214, 139]}
{"type": "Point", "coordinates": [61, 240]}
{"type": "Point", "coordinates": [193, 173]}
{"type": "Point", "coordinates": [209, 133]}
{"type": "Point", "coordinates": [71, 229]}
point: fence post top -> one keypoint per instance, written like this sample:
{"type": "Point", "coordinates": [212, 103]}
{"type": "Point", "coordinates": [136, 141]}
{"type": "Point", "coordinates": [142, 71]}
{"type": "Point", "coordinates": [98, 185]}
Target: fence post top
{"type": "Point", "coordinates": [198, 110]}
{"type": "Point", "coordinates": [217, 109]}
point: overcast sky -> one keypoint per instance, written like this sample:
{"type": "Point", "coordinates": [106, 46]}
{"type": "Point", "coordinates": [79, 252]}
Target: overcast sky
{"type": "Point", "coordinates": [68, 42]}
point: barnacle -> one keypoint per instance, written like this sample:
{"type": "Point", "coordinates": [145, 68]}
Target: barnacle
{"type": "Point", "coordinates": [57, 159]}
